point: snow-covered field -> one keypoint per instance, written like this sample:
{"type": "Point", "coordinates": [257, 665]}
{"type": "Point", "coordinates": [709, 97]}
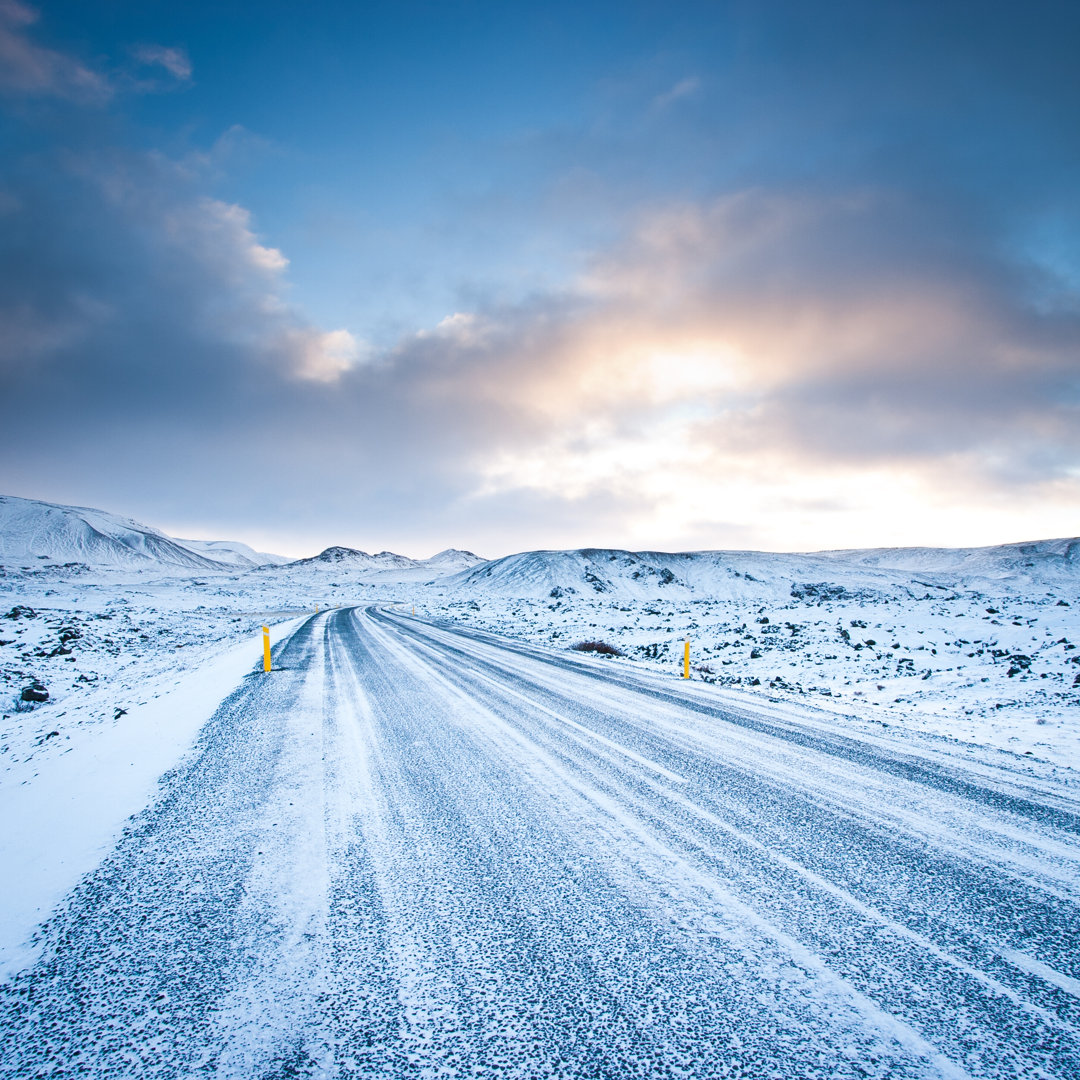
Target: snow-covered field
{"type": "Point", "coordinates": [991, 670]}
{"type": "Point", "coordinates": [978, 645]}
{"type": "Point", "coordinates": [135, 751]}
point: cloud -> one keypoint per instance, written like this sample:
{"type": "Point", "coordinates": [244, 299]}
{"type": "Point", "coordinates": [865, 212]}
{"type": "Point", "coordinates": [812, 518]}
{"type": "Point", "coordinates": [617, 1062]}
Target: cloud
{"type": "Point", "coordinates": [684, 88]}
{"type": "Point", "coordinates": [856, 318]}
{"type": "Point", "coordinates": [125, 287]}
{"type": "Point", "coordinates": [174, 60]}
{"type": "Point", "coordinates": [220, 233]}
{"type": "Point", "coordinates": [821, 344]}
{"type": "Point", "coordinates": [776, 352]}
{"type": "Point", "coordinates": [724, 371]}
{"type": "Point", "coordinates": [30, 69]}
{"type": "Point", "coordinates": [325, 356]}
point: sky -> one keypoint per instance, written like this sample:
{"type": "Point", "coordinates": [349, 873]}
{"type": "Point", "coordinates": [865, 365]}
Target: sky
{"type": "Point", "coordinates": [504, 276]}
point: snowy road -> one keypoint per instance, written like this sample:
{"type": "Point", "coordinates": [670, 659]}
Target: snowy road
{"type": "Point", "coordinates": [414, 851]}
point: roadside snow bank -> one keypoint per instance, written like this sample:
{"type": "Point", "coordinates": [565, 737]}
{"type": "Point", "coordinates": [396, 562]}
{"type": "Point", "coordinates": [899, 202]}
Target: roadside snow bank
{"type": "Point", "coordinates": [62, 813]}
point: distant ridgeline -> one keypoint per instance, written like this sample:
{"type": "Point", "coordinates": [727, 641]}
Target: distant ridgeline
{"type": "Point", "coordinates": [38, 537]}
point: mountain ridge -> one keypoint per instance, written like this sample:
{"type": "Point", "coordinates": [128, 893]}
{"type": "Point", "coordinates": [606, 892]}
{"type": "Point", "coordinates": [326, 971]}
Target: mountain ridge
{"type": "Point", "coordinates": [34, 533]}
{"type": "Point", "coordinates": [734, 575]}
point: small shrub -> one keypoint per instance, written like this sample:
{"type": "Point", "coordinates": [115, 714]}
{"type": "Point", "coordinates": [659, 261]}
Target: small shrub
{"type": "Point", "coordinates": [600, 647]}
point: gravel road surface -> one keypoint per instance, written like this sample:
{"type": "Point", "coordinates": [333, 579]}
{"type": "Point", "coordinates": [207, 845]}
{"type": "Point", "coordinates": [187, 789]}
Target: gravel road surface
{"type": "Point", "coordinates": [415, 851]}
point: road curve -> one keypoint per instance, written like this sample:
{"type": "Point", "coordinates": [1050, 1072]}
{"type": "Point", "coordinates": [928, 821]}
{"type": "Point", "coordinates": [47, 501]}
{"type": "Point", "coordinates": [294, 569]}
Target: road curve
{"type": "Point", "coordinates": [416, 851]}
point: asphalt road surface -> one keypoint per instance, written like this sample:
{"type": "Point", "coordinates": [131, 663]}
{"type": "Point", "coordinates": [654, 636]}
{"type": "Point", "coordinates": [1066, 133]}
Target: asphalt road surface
{"type": "Point", "coordinates": [415, 851]}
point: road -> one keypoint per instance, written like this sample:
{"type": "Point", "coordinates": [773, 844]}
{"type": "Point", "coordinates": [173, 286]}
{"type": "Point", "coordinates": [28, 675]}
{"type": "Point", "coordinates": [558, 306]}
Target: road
{"type": "Point", "coordinates": [416, 851]}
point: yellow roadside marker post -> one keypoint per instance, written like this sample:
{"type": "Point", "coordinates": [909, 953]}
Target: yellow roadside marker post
{"type": "Point", "coordinates": [686, 661]}
{"type": "Point", "coordinates": [316, 607]}
{"type": "Point", "coordinates": [266, 648]}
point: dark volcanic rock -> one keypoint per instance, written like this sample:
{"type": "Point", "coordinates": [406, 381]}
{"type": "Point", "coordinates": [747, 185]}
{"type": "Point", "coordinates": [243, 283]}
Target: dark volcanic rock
{"type": "Point", "coordinates": [35, 692]}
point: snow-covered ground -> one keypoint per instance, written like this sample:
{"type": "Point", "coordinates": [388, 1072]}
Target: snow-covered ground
{"type": "Point", "coordinates": [418, 850]}
{"type": "Point", "coordinates": [97, 645]}
{"type": "Point", "coordinates": [974, 645]}
{"type": "Point", "coordinates": [995, 671]}
{"type": "Point", "coordinates": [961, 662]}
{"type": "Point", "coordinates": [67, 792]}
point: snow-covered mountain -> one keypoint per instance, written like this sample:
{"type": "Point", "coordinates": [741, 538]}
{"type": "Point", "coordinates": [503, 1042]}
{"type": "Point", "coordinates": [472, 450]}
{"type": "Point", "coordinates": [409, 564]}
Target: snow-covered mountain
{"type": "Point", "coordinates": [453, 559]}
{"type": "Point", "coordinates": [1037, 562]}
{"type": "Point", "coordinates": [234, 553]}
{"type": "Point", "coordinates": [636, 574]}
{"type": "Point", "coordinates": [351, 557]}
{"type": "Point", "coordinates": [748, 575]}
{"type": "Point", "coordinates": [335, 556]}
{"type": "Point", "coordinates": [34, 533]}
{"type": "Point", "coordinates": [386, 567]}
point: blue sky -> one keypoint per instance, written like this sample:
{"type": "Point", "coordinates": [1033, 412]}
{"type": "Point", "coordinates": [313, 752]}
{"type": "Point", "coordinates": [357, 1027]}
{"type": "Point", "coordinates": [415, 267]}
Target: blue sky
{"type": "Point", "coordinates": [406, 154]}
{"type": "Point", "coordinates": [503, 275]}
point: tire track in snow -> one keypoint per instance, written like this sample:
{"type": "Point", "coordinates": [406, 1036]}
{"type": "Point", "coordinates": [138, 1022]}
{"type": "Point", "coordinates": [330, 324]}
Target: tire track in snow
{"type": "Point", "coordinates": [520, 948]}
{"type": "Point", "coordinates": [412, 852]}
{"type": "Point", "coordinates": [146, 964]}
{"type": "Point", "coordinates": [930, 934]}
{"type": "Point", "coordinates": [1047, 808]}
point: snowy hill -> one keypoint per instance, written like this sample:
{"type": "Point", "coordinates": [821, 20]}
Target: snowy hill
{"type": "Point", "coordinates": [1048, 562]}
{"type": "Point", "coordinates": [453, 559]}
{"type": "Point", "coordinates": [351, 558]}
{"type": "Point", "coordinates": [335, 556]}
{"type": "Point", "coordinates": [386, 568]}
{"type": "Point", "coordinates": [233, 553]}
{"type": "Point", "coordinates": [739, 575]}
{"type": "Point", "coordinates": [642, 575]}
{"type": "Point", "coordinates": [34, 533]}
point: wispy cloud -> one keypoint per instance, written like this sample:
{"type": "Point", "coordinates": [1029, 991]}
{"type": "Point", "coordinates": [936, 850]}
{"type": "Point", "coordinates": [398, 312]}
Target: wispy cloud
{"type": "Point", "coordinates": [684, 88]}
{"type": "Point", "coordinates": [173, 60]}
{"type": "Point", "coordinates": [31, 69]}
{"type": "Point", "coordinates": [28, 69]}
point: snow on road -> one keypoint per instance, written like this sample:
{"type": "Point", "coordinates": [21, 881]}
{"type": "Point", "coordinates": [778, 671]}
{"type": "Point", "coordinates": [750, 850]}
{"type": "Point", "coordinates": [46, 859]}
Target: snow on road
{"type": "Point", "coordinates": [419, 851]}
